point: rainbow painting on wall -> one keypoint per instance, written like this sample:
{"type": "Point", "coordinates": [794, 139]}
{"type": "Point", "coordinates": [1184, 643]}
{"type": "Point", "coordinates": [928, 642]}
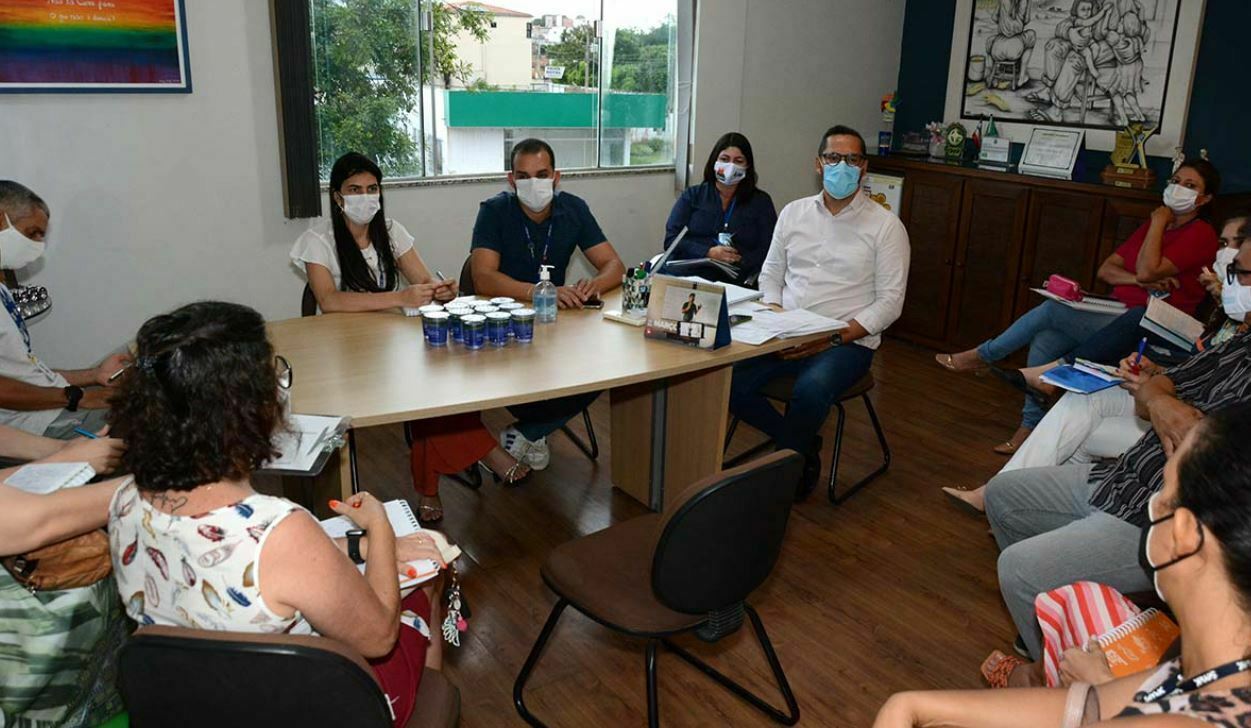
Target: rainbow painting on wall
{"type": "Point", "coordinates": [93, 46]}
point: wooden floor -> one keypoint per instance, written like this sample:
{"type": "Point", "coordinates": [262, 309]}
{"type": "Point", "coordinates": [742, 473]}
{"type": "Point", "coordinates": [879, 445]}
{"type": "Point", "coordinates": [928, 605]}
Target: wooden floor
{"type": "Point", "coordinates": [894, 589]}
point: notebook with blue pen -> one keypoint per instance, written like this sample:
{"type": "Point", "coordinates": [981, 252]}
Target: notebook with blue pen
{"type": "Point", "coordinates": [1082, 377]}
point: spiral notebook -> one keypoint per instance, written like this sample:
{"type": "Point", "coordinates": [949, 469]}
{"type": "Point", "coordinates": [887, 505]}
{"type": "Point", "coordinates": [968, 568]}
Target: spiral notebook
{"type": "Point", "coordinates": [404, 523]}
{"type": "Point", "coordinates": [1139, 643]}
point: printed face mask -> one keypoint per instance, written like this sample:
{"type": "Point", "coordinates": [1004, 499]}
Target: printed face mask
{"type": "Point", "coordinates": [360, 209]}
{"type": "Point", "coordinates": [535, 193]}
{"type": "Point", "coordinates": [16, 250]}
{"type": "Point", "coordinates": [840, 180]}
{"type": "Point", "coordinates": [729, 173]}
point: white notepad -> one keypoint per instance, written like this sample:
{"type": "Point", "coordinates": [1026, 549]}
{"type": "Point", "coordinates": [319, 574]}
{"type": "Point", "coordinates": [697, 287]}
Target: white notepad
{"type": "Point", "coordinates": [404, 523]}
{"type": "Point", "coordinates": [44, 478]}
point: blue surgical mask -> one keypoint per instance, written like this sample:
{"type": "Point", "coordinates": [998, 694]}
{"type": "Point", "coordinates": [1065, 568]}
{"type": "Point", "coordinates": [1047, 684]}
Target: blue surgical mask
{"type": "Point", "coordinates": [840, 180]}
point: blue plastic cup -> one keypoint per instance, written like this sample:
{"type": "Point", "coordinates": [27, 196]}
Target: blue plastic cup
{"type": "Point", "coordinates": [436, 324]}
{"type": "Point", "coordinates": [474, 330]}
{"type": "Point", "coordinates": [523, 325]}
{"type": "Point", "coordinates": [498, 327]}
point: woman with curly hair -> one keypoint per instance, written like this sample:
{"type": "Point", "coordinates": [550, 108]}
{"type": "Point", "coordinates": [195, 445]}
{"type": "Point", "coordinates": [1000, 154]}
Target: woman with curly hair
{"type": "Point", "coordinates": [194, 545]}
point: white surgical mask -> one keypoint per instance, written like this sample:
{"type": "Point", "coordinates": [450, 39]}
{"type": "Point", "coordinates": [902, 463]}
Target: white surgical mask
{"type": "Point", "coordinates": [1224, 257]}
{"type": "Point", "coordinates": [729, 173]}
{"type": "Point", "coordinates": [16, 250]}
{"type": "Point", "coordinates": [535, 193]}
{"type": "Point", "coordinates": [360, 209]}
{"type": "Point", "coordinates": [1236, 300]}
{"type": "Point", "coordinates": [1180, 200]}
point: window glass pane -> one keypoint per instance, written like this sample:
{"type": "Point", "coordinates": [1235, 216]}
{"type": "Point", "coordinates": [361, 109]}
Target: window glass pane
{"type": "Point", "coordinates": [640, 70]}
{"type": "Point", "coordinates": [367, 92]}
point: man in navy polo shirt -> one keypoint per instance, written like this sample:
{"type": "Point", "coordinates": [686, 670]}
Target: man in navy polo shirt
{"type": "Point", "coordinates": [516, 232]}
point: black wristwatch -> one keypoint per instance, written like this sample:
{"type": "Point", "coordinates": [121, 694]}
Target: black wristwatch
{"type": "Point", "coordinates": [836, 338]}
{"type": "Point", "coordinates": [354, 545]}
{"type": "Point", "coordinates": [73, 395]}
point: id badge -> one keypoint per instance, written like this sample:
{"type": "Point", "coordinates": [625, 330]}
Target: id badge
{"type": "Point", "coordinates": [725, 238]}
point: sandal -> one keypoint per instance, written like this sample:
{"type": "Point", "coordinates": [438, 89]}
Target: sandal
{"type": "Point", "coordinates": [998, 667]}
{"type": "Point", "coordinates": [427, 514]}
{"type": "Point", "coordinates": [514, 475]}
{"type": "Point", "coordinates": [1006, 448]}
{"type": "Point", "coordinates": [948, 362]}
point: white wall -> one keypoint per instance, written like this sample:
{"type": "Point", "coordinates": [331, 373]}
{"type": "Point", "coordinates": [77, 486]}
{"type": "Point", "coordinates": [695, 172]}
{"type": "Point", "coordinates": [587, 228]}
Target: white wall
{"type": "Point", "coordinates": [805, 66]}
{"type": "Point", "coordinates": [160, 200]}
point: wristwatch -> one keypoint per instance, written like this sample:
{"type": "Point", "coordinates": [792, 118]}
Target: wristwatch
{"type": "Point", "coordinates": [73, 395]}
{"type": "Point", "coordinates": [836, 338]}
{"type": "Point", "coordinates": [354, 545]}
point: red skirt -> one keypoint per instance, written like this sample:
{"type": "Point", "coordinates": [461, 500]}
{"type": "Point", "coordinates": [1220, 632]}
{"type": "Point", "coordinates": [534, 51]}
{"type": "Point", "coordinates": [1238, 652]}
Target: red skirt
{"type": "Point", "coordinates": [399, 672]}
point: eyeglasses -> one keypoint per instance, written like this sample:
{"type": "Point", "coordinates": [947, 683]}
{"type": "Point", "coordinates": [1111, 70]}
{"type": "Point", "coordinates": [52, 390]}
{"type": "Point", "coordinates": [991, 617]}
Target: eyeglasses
{"type": "Point", "coordinates": [1234, 272]}
{"type": "Point", "coordinates": [834, 158]}
{"type": "Point", "coordinates": [284, 372]}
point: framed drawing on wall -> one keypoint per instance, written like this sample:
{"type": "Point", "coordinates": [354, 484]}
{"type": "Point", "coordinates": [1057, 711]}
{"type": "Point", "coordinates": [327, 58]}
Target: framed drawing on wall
{"type": "Point", "coordinates": [1095, 65]}
{"type": "Point", "coordinates": [93, 46]}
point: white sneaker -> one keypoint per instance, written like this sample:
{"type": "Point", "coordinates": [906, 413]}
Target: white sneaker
{"type": "Point", "coordinates": [533, 453]}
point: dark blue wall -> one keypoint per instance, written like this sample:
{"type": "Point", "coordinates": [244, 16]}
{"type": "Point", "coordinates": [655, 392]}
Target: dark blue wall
{"type": "Point", "coordinates": [1220, 101]}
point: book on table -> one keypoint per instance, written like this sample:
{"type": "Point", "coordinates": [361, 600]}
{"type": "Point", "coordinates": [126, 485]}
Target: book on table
{"type": "Point", "coordinates": [1172, 324]}
{"type": "Point", "coordinates": [1083, 377]}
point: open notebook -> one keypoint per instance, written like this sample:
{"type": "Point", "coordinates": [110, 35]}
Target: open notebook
{"type": "Point", "coordinates": [404, 523]}
{"type": "Point", "coordinates": [1172, 324]}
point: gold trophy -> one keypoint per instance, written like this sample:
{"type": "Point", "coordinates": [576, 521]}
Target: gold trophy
{"type": "Point", "coordinates": [1129, 159]}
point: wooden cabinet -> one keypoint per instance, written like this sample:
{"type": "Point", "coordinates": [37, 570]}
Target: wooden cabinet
{"type": "Point", "coordinates": [931, 207]}
{"type": "Point", "coordinates": [992, 227]}
{"type": "Point", "coordinates": [981, 239]}
{"type": "Point", "coordinates": [1063, 233]}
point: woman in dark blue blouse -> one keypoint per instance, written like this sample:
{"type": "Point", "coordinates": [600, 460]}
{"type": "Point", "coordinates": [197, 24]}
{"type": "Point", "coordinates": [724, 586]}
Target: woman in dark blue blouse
{"type": "Point", "coordinates": [728, 219]}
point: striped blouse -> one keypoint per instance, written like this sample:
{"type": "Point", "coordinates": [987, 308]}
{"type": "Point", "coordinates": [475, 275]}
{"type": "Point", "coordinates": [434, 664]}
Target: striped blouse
{"type": "Point", "coordinates": [1209, 381]}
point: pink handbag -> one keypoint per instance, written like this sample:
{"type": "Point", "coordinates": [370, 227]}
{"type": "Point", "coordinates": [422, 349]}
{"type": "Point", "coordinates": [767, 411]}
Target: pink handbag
{"type": "Point", "coordinates": [1065, 288]}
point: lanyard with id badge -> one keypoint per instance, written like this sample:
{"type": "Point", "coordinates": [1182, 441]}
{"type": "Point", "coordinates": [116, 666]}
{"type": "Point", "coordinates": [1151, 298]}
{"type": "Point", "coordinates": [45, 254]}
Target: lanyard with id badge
{"type": "Point", "coordinates": [546, 245]}
{"type": "Point", "coordinates": [725, 237]}
{"type": "Point", "coordinates": [10, 305]}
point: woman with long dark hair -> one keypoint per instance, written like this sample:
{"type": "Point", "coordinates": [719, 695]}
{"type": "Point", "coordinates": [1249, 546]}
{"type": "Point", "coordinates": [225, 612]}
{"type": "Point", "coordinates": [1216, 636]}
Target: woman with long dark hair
{"type": "Point", "coordinates": [728, 218]}
{"type": "Point", "coordinates": [353, 262]}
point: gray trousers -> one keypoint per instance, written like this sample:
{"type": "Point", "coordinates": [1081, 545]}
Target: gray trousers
{"type": "Point", "coordinates": [1050, 536]}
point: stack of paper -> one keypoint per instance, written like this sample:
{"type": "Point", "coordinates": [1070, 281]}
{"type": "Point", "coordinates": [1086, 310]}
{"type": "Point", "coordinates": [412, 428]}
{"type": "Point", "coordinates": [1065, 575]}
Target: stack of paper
{"type": "Point", "coordinates": [299, 447]}
{"type": "Point", "coordinates": [1089, 303]}
{"type": "Point", "coordinates": [733, 294]}
{"type": "Point", "coordinates": [766, 324]}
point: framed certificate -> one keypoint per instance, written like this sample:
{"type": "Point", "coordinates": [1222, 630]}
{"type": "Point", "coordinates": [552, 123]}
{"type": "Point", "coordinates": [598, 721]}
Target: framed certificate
{"type": "Point", "coordinates": [1052, 152]}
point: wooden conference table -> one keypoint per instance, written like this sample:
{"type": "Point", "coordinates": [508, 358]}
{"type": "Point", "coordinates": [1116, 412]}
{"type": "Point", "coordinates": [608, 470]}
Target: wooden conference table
{"type": "Point", "coordinates": [668, 401]}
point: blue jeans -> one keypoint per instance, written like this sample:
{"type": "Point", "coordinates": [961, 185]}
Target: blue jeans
{"type": "Point", "coordinates": [1050, 536]}
{"type": "Point", "coordinates": [536, 420]}
{"type": "Point", "coordinates": [819, 381]}
{"type": "Point", "coordinates": [1050, 330]}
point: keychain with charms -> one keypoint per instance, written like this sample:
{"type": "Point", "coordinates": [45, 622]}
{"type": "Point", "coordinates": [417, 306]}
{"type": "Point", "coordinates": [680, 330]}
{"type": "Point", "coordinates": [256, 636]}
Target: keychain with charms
{"type": "Point", "coordinates": [457, 609]}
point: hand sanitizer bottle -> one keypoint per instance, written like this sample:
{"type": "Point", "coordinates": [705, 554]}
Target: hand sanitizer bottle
{"type": "Point", "coordinates": [545, 296]}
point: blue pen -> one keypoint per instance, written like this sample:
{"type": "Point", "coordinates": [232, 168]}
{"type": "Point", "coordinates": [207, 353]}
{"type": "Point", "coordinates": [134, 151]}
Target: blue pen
{"type": "Point", "coordinates": [84, 433]}
{"type": "Point", "coordinates": [1142, 346]}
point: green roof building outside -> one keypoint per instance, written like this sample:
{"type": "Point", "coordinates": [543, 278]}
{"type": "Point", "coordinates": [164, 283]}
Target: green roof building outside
{"type": "Point", "coordinates": [531, 110]}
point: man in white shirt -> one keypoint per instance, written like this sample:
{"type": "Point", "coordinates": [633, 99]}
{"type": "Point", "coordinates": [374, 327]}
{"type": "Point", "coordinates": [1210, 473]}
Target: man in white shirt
{"type": "Point", "coordinates": [841, 255]}
{"type": "Point", "coordinates": [34, 397]}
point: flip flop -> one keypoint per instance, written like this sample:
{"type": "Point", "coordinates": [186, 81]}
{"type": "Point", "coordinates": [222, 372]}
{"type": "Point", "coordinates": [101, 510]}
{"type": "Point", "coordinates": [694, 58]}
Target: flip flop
{"type": "Point", "coordinates": [1006, 448]}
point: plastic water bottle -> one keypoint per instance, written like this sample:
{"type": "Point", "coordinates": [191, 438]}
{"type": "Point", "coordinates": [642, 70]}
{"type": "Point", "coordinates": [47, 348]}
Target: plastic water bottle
{"type": "Point", "coordinates": [545, 296]}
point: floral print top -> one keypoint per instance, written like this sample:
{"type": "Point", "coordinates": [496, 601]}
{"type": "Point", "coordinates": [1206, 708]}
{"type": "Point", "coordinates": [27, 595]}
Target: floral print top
{"type": "Point", "coordinates": [1218, 707]}
{"type": "Point", "coordinates": [196, 571]}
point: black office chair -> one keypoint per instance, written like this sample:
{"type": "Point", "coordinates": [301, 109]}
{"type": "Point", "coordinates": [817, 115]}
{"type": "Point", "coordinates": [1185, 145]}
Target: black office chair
{"type": "Point", "coordinates": [590, 446]}
{"type": "Point", "coordinates": [190, 678]}
{"type": "Point", "coordinates": [471, 478]}
{"type": "Point", "coordinates": [779, 390]}
{"type": "Point", "coordinates": [688, 569]}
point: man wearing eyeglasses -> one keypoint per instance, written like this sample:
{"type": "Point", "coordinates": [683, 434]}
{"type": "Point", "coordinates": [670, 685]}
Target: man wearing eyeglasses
{"type": "Point", "coordinates": [838, 254]}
